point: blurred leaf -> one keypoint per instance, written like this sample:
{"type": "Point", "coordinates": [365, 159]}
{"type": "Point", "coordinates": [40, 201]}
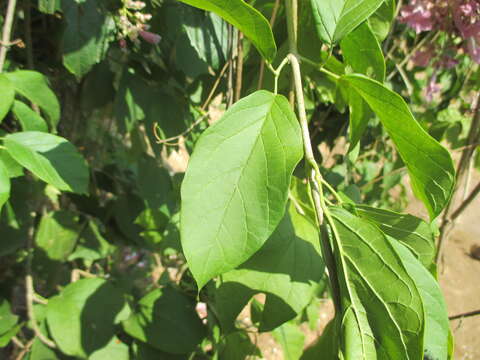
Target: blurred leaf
{"type": "Point", "coordinates": [49, 7]}
{"type": "Point", "coordinates": [7, 319]}
{"type": "Point", "coordinates": [8, 94]}
{"type": "Point", "coordinates": [14, 169]}
{"type": "Point", "coordinates": [52, 158]}
{"type": "Point", "coordinates": [87, 35]}
{"type": "Point", "coordinates": [237, 346]}
{"type": "Point", "coordinates": [114, 350]}
{"type": "Point", "coordinates": [57, 234]}
{"type": "Point", "coordinates": [4, 185]}
{"type": "Point", "coordinates": [34, 87]}
{"type": "Point", "coordinates": [381, 20]}
{"type": "Point", "coordinates": [292, 339]}
{"type": "Point", "coordinates": [91, 244]}
{"type": "Point", "coordinates": [29, 119]}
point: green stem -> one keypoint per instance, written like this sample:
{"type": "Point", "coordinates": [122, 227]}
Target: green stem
{"type": "Point", "coordinates": [320, 67]}
{"type": "Point", "coordinates": [332, 190]}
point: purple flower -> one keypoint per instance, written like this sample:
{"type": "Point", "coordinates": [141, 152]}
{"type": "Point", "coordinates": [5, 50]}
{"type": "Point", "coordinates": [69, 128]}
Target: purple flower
{"type": "Point", "coordinates": [433, 88]}
{"type": "Point", "coordinates": [418, 15]}
{"type": "Point", "coordinates": [150, 37]}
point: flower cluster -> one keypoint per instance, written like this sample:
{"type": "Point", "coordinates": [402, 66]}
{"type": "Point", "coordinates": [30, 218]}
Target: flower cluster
{"type": "Point", "coordinates": [132, 24]}
{"type": "Point", "coordinates": [459, 18]}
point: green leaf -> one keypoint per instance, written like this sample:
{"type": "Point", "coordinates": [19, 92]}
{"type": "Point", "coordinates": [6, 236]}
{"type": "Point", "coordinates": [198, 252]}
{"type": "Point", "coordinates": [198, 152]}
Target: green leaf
{"type": "Point", "coordinates": [379, 308]}
{"type": "Point", "coordinates": [114, 350]}
{"type": "Point", "coordinates": [360, 114]}
{"type": "Point", "coordinates": [244, 17]}
{"type": "Point", "coordinates": [49, 6]}
{"type": "Point", "coordinates": [381, 20]}
{"type": "Point", "coordinates": [57, 234]}
{"type": "Point", "coordinates": [237, 346]}
{"type": "Point", "coordinates": [287, 268]}
{"type": "Point", "coordinates": [82, 318]}
{"type": "Point", "coordinates": [52, 158]}
{"type": "Point", "coordinates": [166, 319]}
{"type": "Point", "coordinates": [414, 233]}
{"type": "Point", "coordinates": [87, 35]}
{"type": "Point", "coordinates": [34, 87]}
{"type": "Point", "coordinates": [8, 94]}
{"type": "Point", "coordinates": [14, 169]}
{"type": "Point", "coordinates": [236, 186]}
{"type": "Point", "coordinates": [429, 164]}
{"type": "Point", "coordinates": [437, 327]}
{"type": "Point", "coordinates": [28, 118]}
{"type": "Point", "coordinates": [91, 244]}
{"type": "Point", "coordinates": [7, 319]}
{"type": "Point", "coordinates": [292, 339]}
{"type": "Point", "coordinates": [363, 53]}
{"type": "Point", "coordinates": [337, 18]}
{"type": "Point", "coordinates": [4, 185]}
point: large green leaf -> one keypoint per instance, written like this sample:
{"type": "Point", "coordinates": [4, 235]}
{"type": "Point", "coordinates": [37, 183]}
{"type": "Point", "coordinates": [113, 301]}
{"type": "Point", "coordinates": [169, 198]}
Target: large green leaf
{"type": "Point", "coordinates": [287, 269]}
{"type": "Point", "coordinates": [82, 318]}
{"type": "Point", "coordinates": [8, 94]}
{"type": "Point", "coordinates": [236, 186]}
{"type": "Point", "coordinates": [429, 164]}
{"type": "Point", "coordinates": [34, 87]}
{"type": "Point", "coordinates": [29, 119]}
{"type": "Point", "coordinates": [379, 305]}
{"type": "Point", "coordinates": [166, 319]}
{"type": "Point", "coordinates": [52, 158]}
{"type": "Point", "coordinates": [437, 328]}
{"type": "Point", "coordinates": [246, 19]}
{"type": "Point", "coordinates": [57, 234]}
{"type": "Point", "coordinates": [4, 185]}
{"type": "Point", "coordinates": [87, 35]}
{"type": "Point", "coordinates": [337, 18]}
{"type": "Point", "coordinates": [416, 234]}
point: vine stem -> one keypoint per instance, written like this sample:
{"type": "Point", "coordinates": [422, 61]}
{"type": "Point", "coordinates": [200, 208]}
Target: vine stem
{"type": "Point", "coordinates": [315, 177]}
{"type": "Point", "coordinates": [7, 30]}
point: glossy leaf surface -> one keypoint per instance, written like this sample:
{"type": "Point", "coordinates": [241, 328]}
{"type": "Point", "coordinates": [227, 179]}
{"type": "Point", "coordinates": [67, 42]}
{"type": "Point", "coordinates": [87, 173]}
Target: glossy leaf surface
{"type": "Point", "coordinates": [236, 186]}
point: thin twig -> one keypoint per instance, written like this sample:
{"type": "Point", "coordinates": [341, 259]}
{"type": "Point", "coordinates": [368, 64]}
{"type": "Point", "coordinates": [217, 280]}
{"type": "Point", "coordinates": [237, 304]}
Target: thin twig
{"type": "Point", "coordinates": [467, 153]}
{"type": "Point", "coordinates": [25, 350]}
{"type": "Point", "coordinates": [29, 293]}
{"type": "Point", "coordinates": [215, 86]}
{"type": "Point", "coordinates": [7, 30]}
{"type": "Point", "coordinates": [464, 315]}
{"type": "Point", "coordinates": [262, 62]}
{"type": "Point", "coordinates": [177, 137]}
{"type": "Point", "coordinates": [466, 203]}
{"type": "Point", "coordinates": [239, 74]}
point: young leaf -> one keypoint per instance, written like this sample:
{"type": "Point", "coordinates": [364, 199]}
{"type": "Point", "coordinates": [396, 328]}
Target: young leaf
{"type": "Point", "coordinates": [381, 308]}
{"type": "Point", "coordinates": [287, 268]}
{"type": "Point", "coordinates": [166, 320]}
{"type": "Point", "coordinates": [236, 186]}
{"type": "Point", "coordinates": [52, 158]}
{"type": "Point", "coordinates": [82, 318]}
{"type": "Point", "coordinates": [437, 327]}
{"type": "Point", "coordinates": [429, 164]}
{"type": "Point", "coordinates": [337, 18]}
{"type": "Point", "coordinates": [87, 35]}
{"type": "Point", "coordinates": [381, 20]}
{"type": "Point", "coordinates": [414, 233]}
{"type": "Point", "coordinates": [34, 87]}
{"type": "Point", "coordinates": [8, 94]}
{"type": "Point", "coordinates": [28, 118]}
{"type": "Point", "coordinates": [4, 185]}
{"type": "Point", "coordinates": [244, 17]}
